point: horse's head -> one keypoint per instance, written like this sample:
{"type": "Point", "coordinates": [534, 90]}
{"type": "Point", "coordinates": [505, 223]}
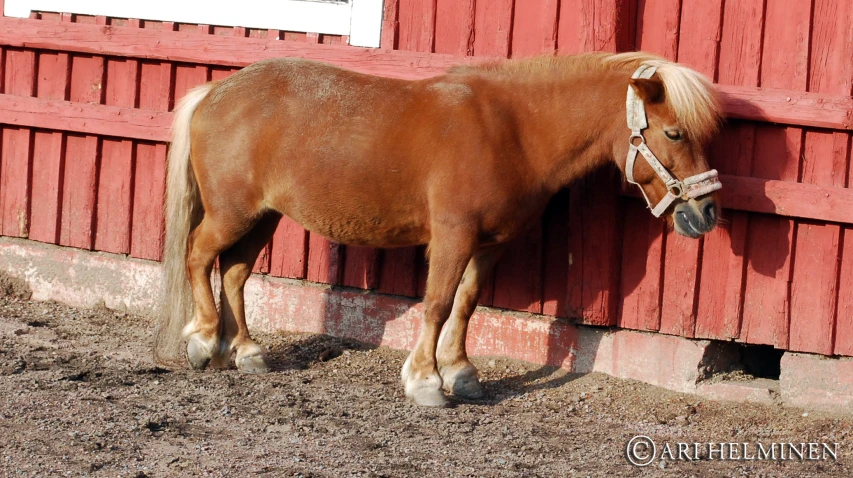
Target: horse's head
{"type": "Point", "coordinates": [671, 116]}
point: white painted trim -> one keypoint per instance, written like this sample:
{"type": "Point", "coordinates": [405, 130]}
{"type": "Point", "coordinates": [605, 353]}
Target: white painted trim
{"type": "Point", "coordinates": [366, 23]}
{"type": "Point", "coordinates": [363, 17]}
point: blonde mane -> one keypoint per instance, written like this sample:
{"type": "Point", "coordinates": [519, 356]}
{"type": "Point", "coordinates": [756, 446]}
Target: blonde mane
{"type": "Point", "coordinates": [690, 94]}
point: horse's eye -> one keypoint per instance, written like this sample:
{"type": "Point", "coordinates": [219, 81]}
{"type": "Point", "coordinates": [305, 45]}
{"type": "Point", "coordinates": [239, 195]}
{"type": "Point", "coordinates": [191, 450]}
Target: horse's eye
{"type": "Point", "coordinates": [673, 135]}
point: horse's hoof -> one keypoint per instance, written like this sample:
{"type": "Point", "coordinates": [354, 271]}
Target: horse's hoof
{"type": "Point", "coordinates": [222, 358]}
{"type": "Point", "coordinates": [463, 382]}
{"type": "Point", "coordinates": [429, 398]}
{"type": "Point", "coordinates": [426, 392]}
{"type": "Point", "coordinates": [250, 359]}
{"type": "Point", "coordinates": [199, 353]}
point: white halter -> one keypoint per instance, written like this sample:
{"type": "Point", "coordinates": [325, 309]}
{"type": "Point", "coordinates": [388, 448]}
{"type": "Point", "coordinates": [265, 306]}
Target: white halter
{"type": "Point", "coordinates": [692, 187]}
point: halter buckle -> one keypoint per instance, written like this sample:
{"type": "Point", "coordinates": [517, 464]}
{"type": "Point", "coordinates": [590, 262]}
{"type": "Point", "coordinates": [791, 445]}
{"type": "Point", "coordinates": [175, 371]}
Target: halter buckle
{"type": "Point", "coordinates": [636, 136]}
{"type": "Point", "coordinates": [676, 188]}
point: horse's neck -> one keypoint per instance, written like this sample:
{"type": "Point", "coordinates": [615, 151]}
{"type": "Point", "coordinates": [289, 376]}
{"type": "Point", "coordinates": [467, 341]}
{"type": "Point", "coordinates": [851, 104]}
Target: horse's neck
{"type": "Point", "coordinates": [569, 129]}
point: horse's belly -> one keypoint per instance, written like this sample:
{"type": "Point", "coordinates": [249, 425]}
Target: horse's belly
{"type": "Point", "coordinates": [347, 223]}
{"type": "Point", "coordinates": [370, 233]}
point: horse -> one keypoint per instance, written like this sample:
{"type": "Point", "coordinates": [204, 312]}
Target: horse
{"type": "Point", "coordinates": [462, 162]}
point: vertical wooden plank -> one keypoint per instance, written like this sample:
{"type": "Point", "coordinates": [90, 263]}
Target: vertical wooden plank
{"type": "Point", "coordinates": [454, 27]}
{"type": "Point", "coordinates": [518, 275]}
{"type": "Point", "coordinates": [274, 35]}
{"type": "Point", "coordinates": [50, 16]}
{"type": "Point", "coordinates": [149, 188]}
{"type": "Point", "coordinates": [740, 43]}
{"type": "Point", "coordinates": [658, 26]}
{"type": "Point", "coordinates": [217, 30]}
{"type": "Point", "coordinates": [361, 267]}
{"type": "Point", "coordinates": [218, 73]}
{"type": "Point", "coordinates": [769, 243]}
{"type": "Point", "coordinates": [844, 321]}
{"type": "Point", "coordinates": [16, 164]}
{"type": "Point", "coordinates": [81, 151]}
{"type": "Point", "coordinates": [555, 256]}
{"type": "Point", "coordinates": [492, 27]}
{"type": "Point", "coordinates": [397, 274]}
{"type": "Point", "coordinates": [699, 35]}
{"type": "Point", "coordinates": [115, 185]}
{"type": "Point", "coordinates": [722, 279]}
{"type": "Point", "coordinates": [390, 25]}
{"type": "Point", "coordinates": [332, 39]}
{"type": "Point", "coordinates": [312, 37]}
{"type": "Point", "coordinates": [596, 25]}
{"type": "Point", "coordinates": [188, 77]}
{"type": "Point", "coordinates": [324, 260]}
{"type": "Point", "coordinates": [595, 247]}
{"type": "Point", "coordinates": [264, 260]}
{"type": "Point", "coordinates": [421, 271]}
{"type": "Point", "coordinates": [295, 36]}
{"type": "Point", "coordinates": [722, 276]}
{"type": "Point", "coordinates": [288, 255]}
{"type": "Point", "coordinates": [534, 28]}
{"type": "Point", "coordinates": [82, 158]}
{"type": "Point", "coordinates": [814, 286]}
{"type": "Point", "coordinates": [697, 47]}
{"type": "Point", "coordinates": [784, 64]}
{"type": "Point", "coordinates": [642, 255]}
{"type": "Point", "coordinates": [48, 151]}
{"type": "Point", "coordinates": [417, 25]}
{"type": "Point", "coordinates": [574, 288]}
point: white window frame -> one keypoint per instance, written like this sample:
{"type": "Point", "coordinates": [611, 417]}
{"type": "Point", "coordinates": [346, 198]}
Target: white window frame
{"type": "Point", "coordinates": [360, 19]}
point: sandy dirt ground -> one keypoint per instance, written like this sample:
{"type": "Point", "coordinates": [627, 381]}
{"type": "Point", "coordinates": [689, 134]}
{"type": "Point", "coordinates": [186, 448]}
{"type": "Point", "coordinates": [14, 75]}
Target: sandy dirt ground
{"type": "Point", "coordinates": [80, 395]}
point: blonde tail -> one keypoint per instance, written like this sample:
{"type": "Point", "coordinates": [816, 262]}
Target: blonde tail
{"type": "Point", "coordinates": [183, 214]}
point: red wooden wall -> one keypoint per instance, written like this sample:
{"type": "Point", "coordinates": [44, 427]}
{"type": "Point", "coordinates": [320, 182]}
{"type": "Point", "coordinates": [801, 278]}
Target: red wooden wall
{"type": "Point", "coordinates": [85, 123]}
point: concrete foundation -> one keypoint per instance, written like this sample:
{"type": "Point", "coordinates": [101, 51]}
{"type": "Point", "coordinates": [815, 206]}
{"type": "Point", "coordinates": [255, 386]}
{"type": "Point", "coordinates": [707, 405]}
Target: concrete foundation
{"type": "Point", "coordinates": [85, 279]}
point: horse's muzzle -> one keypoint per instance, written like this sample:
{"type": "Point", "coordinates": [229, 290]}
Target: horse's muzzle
{"type": "Point", "coordinates": [695, 217]}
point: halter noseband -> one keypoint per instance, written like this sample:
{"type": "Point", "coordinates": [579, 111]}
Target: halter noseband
{"type": "Point", "coordinates": [692, 187]}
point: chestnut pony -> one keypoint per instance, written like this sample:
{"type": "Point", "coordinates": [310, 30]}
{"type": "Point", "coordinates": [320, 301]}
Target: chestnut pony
{"type": "Point", "coordinates": [462, 162]}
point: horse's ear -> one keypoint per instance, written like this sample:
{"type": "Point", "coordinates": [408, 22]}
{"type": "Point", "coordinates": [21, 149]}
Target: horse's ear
{"type": "Point", "coordinates": [650, 91]}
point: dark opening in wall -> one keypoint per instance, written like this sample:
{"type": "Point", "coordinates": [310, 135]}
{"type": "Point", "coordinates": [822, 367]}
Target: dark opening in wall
{"type": "Point", "coordinates": [730, 360]}
{"type": "Point", "coordinates": [761, 361]}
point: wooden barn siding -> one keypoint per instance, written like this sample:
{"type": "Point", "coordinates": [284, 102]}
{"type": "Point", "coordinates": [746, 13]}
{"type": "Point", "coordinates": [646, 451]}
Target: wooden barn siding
{"type": "Point", "coordinates": [759, 278]}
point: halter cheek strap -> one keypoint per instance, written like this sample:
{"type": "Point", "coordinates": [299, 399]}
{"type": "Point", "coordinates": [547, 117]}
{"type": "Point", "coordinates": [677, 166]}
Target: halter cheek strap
{"type": "Point", "coordinates": [692, 187]}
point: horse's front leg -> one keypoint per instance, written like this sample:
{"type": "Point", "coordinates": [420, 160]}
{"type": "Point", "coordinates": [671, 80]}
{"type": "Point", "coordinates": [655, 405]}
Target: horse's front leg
{"type": "Point", "coordinates": [457, 373]}
{"type": "Point", "coordinates": [450, 251]}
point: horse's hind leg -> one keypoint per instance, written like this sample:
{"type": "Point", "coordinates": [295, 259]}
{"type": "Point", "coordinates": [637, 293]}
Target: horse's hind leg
{"type": "Point", "coordinates": [457, 373]}
{"type": "Point", "coordinates": [213, 235]}
{"type": "Point", "coordinates": [235, 267]}
{"type": "Point", "coordinates": [450, 252]}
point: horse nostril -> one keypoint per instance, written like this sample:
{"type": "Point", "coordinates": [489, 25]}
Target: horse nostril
{"type": "Point", "coordinates": [710, 213]}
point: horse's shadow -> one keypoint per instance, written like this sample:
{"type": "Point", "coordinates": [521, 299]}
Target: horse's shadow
{"type": "Point", "coordinates": [305, 352]}
{"type": "Point", "coordinates": [507, 388]}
